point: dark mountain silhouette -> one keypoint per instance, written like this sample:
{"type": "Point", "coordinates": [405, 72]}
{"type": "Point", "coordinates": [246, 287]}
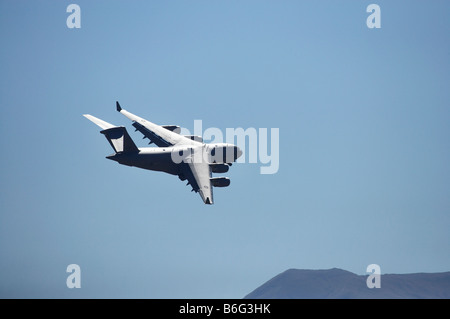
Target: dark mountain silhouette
{"type": "Point", "coordinates": [341, 284]}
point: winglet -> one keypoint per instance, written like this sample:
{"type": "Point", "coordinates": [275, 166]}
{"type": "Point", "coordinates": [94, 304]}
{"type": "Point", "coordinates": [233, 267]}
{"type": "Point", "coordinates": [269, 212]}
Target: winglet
{"type": "Point", "coordinates": [118, 106]}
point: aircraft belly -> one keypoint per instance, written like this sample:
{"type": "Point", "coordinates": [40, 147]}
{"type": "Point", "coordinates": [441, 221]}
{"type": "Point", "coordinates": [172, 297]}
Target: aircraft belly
{"type": "Point", "coordinates": [156, 162]}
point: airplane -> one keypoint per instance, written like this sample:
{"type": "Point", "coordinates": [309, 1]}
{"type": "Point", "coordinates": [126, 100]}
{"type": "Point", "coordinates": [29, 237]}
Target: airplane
{"type": "Point", "coordinates": [186, 156]}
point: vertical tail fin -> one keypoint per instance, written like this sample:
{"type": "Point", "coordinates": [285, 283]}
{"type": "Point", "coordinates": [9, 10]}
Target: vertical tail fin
{"type": "Point", "coordinates": [117, 136]}
{"type": "Point", "coordinates": [120, 140]}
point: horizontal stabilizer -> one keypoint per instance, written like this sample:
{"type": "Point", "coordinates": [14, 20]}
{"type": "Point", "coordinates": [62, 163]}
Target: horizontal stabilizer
{"type": "Point", "coordinates": [104, 125]}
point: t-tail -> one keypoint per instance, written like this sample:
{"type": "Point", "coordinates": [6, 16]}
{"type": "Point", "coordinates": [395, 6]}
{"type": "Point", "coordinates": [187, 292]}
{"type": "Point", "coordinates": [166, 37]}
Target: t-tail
{"type": "Point", "coordinates": [117, 136]}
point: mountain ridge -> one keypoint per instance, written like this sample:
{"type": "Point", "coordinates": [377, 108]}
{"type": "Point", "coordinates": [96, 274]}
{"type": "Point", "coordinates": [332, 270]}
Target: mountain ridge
{"type": "Point", "coordinates": [336, 283]}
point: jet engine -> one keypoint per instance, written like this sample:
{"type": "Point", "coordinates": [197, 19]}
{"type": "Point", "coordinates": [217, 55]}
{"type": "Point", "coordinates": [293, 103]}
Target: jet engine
{"type": "Point", "coordinates": [219, 168]}
{"type": "Point", "coordinates": [220, 181]}
{"type": "Point", "coordinates": [223, 153]}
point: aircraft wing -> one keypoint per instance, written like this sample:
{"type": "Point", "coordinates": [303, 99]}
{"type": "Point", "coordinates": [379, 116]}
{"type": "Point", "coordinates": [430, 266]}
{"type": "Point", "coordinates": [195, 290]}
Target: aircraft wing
{"type": "Point", "coordinates": [198, 174]}
{"type": "Point", "coordinates": [162, 136]}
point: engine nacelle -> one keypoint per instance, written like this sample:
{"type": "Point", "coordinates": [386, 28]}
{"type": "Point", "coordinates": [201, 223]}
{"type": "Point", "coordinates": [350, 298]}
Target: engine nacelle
{"type": "Point", "coordinates": [220, 181]}
{"type": "Point", "coordinates": [219, 168]}
{"type": "Point", "coordinates": [222, 153]}
{"type": "Point", "coordinates": [195, 138]}
{"type": "Point", "coordinates": [173, 128]}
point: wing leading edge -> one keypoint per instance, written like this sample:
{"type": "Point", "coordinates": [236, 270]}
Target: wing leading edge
{"type": "Point", "coordinates": [162, 136]}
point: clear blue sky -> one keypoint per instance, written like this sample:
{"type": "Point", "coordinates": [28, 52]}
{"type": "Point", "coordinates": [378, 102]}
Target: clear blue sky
{"type": "Point", "coordinates": [364, 119]}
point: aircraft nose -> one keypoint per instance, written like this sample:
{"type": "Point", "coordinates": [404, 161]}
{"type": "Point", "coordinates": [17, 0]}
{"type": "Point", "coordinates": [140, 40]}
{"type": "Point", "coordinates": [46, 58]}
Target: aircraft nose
{"type": "Point", "coordinates": [238, 152]}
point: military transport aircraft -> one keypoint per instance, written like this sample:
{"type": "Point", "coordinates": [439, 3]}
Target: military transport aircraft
{"type": "Point", "coordinates": [183, 155]}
